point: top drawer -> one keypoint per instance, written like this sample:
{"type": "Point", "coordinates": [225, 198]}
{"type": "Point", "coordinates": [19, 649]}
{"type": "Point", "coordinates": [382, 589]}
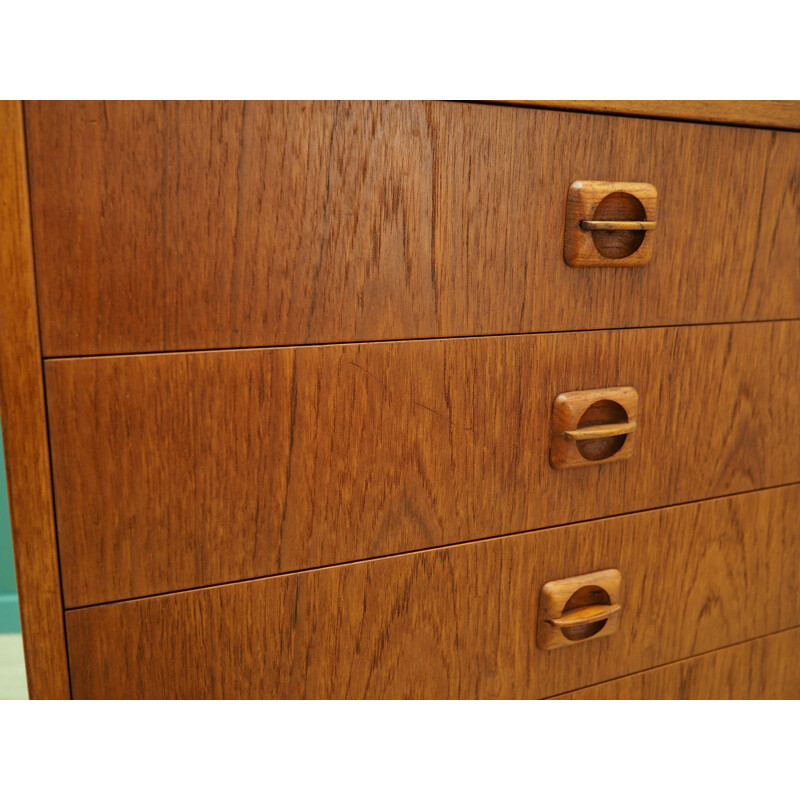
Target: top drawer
{"type": "Point", "coordinates": [176, 226]}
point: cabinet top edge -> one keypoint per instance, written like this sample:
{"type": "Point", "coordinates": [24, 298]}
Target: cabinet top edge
{"type": "Point", "coordinates": [782, 114]}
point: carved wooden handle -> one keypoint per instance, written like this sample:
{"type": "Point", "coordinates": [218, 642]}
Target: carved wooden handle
{"type": "Point", "coordinates": [585, 615]}
{"type": "Point", "coordinates": [599, 431]}
{"type": "Point", "coordinates": [617, 225]}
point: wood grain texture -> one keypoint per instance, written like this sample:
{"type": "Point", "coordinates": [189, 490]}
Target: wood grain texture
{"type": "Point", "coordinates": [163, 226]}
{"type": "Point", "coordinates": [760, 113]}
{"type": "Point", "coordinates": [209, 467]}
{"type": "Point", "coordinates": [199, 225]}
{"type": "Point", "coordinates": [25, 429]}
{"type": "Point", "coordinates": [460, 621]}
{"type": "Point", "coordinates": [763, 669]}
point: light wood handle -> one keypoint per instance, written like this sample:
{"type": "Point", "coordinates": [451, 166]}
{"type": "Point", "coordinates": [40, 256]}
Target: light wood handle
{"type": "Point", "coordinates": [617, 225]}
{"type": "Point", "coordinates": [600, 431]}
{"type": "Point", "coordinates": [585, 615]}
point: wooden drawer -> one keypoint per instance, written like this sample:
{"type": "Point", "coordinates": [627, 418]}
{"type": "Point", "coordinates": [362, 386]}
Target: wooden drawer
{"type": "Point", "coordinates": [164, 226]}
{"type": "Point", "coordinates": [201, 468]}
{"type": "Point", "coordinates": [764, 669]}
{"type": "Point", "coordinates": [458, 621]}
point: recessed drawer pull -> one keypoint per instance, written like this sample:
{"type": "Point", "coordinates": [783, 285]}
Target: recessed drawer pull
{"type": "Point", "coordinates": [617, 225]}
{"type": "Point", "coordinates": [600, 431]}
{"type": "Point", "coordinates": [576, 609]}
{"type": "Point", "coordinates": [607, 224]}
{"type": "Point", "coordinates": [585, 615]}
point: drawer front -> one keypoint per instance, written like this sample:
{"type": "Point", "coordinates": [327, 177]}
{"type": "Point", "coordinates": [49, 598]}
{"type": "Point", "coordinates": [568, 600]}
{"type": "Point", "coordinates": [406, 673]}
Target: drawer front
{"type": "Point", "coordinates": [203, 468]}
{"type": "Point", "coordinates": [178, 226]}
{"type": "Point", "coordinates": [764, 669]}
{"type": "Point", "coordinates": [458, 621]}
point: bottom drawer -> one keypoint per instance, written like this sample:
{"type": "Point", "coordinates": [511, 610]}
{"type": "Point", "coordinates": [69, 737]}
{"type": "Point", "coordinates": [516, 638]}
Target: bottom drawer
{"type": "Point", "coordinates": [457, 621]}
{"type": "Point", "coordinates": [763, 669]}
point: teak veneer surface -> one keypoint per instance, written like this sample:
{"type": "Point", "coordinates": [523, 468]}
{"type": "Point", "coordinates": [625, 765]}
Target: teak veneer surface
{"type": "Point", "coordinates": [761, 113]}
{"type": "Point", "coordinates": [180, 226]}
{"type": "Point", "coordinates": [764, 669]}
{"type": "Point", "coordinates": [460, 621]}
{"type": "Point", "coordinates": [30, 493]}
{"type": "Point", "coordinates": [181, 470]}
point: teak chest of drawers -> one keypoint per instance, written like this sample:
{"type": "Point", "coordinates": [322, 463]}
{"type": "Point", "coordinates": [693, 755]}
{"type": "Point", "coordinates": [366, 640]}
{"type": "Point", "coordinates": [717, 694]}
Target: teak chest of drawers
{"type": "Point", "coordinates": [278, 384]}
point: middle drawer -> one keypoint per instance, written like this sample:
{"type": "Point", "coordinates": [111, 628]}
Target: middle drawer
{"type": "Point", "coordinates": [201, 468]}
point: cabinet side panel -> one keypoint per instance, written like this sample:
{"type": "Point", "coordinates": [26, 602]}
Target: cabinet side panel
{"type": "Point", "coordinates": [24, 427]}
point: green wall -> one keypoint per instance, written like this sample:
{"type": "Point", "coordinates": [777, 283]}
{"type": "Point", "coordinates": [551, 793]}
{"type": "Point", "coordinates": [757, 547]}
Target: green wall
{"type": "Point", "coordinates": [9, 606]}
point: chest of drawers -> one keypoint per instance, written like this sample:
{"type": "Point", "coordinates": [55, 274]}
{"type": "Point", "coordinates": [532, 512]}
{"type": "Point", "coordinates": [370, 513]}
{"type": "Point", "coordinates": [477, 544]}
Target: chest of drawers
{"type": "Point", "coordinates": [277, 382]}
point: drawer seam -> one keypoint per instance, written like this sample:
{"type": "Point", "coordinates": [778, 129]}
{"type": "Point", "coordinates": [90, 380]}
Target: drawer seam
{"type": "Point", "coordinates": [360, 342]}
{"type": "Point", "coordinates": [452, 545]}
{"type": "Point", "coordinates": [672, 663]}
